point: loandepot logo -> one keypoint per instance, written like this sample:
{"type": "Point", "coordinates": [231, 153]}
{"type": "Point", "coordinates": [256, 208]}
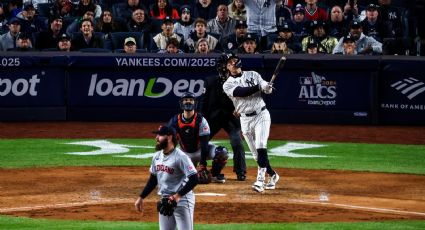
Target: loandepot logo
{"type": "Point", "coordinates": [139, 87]}
{"type": "Point", "coordinates": [316, 90]}
{"type": "Point", "coordinates": [105, 147]}
{"type": "Point", "coordinates": [410, 87]}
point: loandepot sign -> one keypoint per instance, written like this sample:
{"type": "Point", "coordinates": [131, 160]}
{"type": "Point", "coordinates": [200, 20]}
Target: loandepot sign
{"type": "Point", "coordinates": [118, 150]}
{"type": "Point", "coordinates": [139, 87]}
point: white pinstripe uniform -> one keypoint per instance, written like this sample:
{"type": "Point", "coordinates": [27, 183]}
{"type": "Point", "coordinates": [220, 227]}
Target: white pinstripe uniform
{"type": "Point", "coordinates": [255, 118]}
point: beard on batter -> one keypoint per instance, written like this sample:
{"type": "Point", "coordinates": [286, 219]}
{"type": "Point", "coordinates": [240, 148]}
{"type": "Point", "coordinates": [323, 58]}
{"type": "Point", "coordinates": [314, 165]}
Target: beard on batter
{"type": "Point", "coordinates": [161, 145]}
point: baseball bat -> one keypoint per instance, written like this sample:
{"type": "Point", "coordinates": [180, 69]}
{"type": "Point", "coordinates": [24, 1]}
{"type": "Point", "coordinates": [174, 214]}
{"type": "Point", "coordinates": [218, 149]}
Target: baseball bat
{"type": "Point", "coordinates": [279, 66]}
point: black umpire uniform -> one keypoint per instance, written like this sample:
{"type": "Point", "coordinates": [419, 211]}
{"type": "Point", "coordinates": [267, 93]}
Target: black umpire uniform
{"type": "Point", "coordinates": [218, 109]}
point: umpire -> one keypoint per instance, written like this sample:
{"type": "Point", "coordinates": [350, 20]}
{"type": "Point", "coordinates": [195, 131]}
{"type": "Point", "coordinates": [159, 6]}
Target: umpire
{"type": "Point", "coordinates": [218, 109]}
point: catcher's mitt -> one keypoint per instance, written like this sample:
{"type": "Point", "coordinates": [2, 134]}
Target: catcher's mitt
{"type": "Point", "coordinates": [166, 206]}
{"type": "Point", "coordinates": [204, 176]}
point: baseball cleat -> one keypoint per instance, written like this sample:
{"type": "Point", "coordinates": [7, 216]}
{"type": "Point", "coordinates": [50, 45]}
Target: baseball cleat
{"type": "Point", "coordinates": [271, 184]}
{"type": "Point", "coordinates": [240, 177]}
{"type": "Point", "coordinates": [218, 179]}
{"type": "Point", "coordinates": [258, 186]}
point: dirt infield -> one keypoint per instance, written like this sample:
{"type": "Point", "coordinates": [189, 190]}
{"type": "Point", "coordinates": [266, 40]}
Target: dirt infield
{"type": "Point", "coordinates": [108, 193]}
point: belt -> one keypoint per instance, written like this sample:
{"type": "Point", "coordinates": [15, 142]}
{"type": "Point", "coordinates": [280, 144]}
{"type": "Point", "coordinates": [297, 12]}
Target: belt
{"type": "Point", "coordinates": [255, 112]}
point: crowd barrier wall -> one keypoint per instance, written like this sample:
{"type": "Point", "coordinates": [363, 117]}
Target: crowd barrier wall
{"type": "Point", "coordinates": [322, 89]}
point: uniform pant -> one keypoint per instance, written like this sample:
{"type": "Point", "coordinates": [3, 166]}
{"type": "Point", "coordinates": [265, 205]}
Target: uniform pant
{"type": "Point", "coordinates": [181, 219]}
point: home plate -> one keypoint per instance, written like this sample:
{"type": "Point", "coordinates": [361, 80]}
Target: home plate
{"type": "Point", "coordinates": [209, 194]}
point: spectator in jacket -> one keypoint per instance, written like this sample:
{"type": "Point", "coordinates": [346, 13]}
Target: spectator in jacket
{"type": "Point", "coordinates": [315, 13]}
{"type": "Point", "coordinates": [338, 25]}
{"type": "Point", "coordinates": [205, 9]}
{"type": "Point", "coordinates": [222, 24]}
{"type": "Point", "coordinates": [87, 38]}
{"type": "Point", "coordinates": [88, 5]}
{"type": "Point", "coordinates": [349, 46]}
{"type": "Point", "coordinates": [163, 9]}
{"type": "Point", "coordinates": [364, 44]}
{"type": "Point", "coordinates": [184, 26]}
{"type": "Point", "coordinates": [249, 45]}
{"type": "Point", "coordinates": [233, 41]}
{"type": "Point", "coordinates": [130, 45]}
{"type": "Point", "coordinates": [160, 40]}
{"type": "Point", "coordinates": [200, 32]}
{"type": "Point", "coordinates": [237, 10]}
{"type": "Point", "coordinates": [8, 40]}
{"type": "Point", "coordinates": [49, 38]}
{"type": "Point", "coordinates": [318, 32]}
{"type": "Point", "coordinates": [125, 10]}
{"type": "Point", "coordinates": [30, 22]}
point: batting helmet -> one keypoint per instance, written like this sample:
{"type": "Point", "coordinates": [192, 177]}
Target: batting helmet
{"type": "Point", "coordinates": [221, 67]}
{"type": "Point", "coordinates": [188, 106]}
{"type": "Point", "coordinates": [238, 62]}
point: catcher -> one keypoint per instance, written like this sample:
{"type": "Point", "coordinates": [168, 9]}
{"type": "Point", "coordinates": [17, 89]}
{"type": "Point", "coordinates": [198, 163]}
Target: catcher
{"type": "Point", "coordinates": [176, 176]}
{"type": "Point", "coordinates": [193, 135]}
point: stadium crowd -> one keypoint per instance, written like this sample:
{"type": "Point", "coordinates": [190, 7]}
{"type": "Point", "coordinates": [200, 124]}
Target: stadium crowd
{"type": "Point", "coordinates": [346, 27]}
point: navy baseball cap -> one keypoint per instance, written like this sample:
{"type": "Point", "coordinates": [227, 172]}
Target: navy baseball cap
{"type": "Point", "coordinates": [165, 130]}
{"type": "Point", "coordinates": [355, 24]}
{"type": "Point", "coordinates": [14, 21]}
{"type": "Point", "coordinates": [372, 7]}
{"type": "Point", "coordinates": [167, 19]}
{"type": "Point", "coordinates": [299, 9]}
{"type": "Point", "coordinates": [241, 23]}
{"type": "Point", "coordinates": [348, 38]}
{"type": "Point", "coordinates": [28, 6]}
{"type": "Point", "coordinates": [185, 8]}
{"type": "Point", "coordinates": [284, 27]}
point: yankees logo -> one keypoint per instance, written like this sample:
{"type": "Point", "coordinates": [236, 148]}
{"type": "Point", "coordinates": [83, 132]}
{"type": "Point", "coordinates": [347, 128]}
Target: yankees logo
{"type": "Point", "coordinates": [250, 82]}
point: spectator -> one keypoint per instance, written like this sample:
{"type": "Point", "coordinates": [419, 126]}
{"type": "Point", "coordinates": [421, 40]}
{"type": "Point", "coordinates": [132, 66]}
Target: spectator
{"type": "Point", "coordinates": [283, 13]}
{"type": "Point", "coordinates": [63, 8]}
{"type": "Point", "coordinates": [222, 24]}
{"type": "Point", "coordinates": [372, 24]}
{"type": "Point", "coordinates": [312, 47]}
{"type": "Point", "coordinates": [163, 9]}
{"type": "Point", "coordinates": [160, 40]}
{"type": "Point", "coordinates": [23, 43]}
{"type": "Point", "coordinates": [319, 34]}
{"type": "Point", "coordinates": [338, 26]}
{"type": "Point", "coordinates": [74, 27]}
{"type": "Point", "coordinates": [314, 12]}
{"type": "Point", "coordinates": [3, 20]}
{"type": "Point", "coordinates": [249, 45]}
{"type": "Point", "coordinates": [30, 22]}
{"type": "Point", "coordinates": [233, 41]}
{"type": "Point", "coordinates": [202, 46]}
{"type": "Point", "coordinates": [64, 43]}
{"type": "Point", "coordinates": [87, 38]}
{"type": "Point", "coordinates": [130, 46]}
{"type": "Point", "coordinates": [88, 5]}
{"type": "Point", "coordinates": [280, 47]}
{"type": "Point", "coordinates": [49, 38]}
{"type": "Point", "coordinates": [364, 44]}
{"type": "Point", "coordinates": [396, 32]}
{"type": "Point", "coordinates": [172, 47]}
{"type": "Point", "coordinates": [237, 10]}
{"type": "Point", "coordinates": [205, 9]}
{"type": "Point", "coordinates": [299, 24]}
{"type": "Point", "coordinates": [14, 8]}
{"type": "Point", "coordinates": [261, 16]}
{"type": "Point", "coordinates": [200, 32]}
{"type": "Point", "coordinates": [285, 34]}
{"type": "Point", "coordinates": [107, 25]}
{"type": "Point", "coordinates": [125, 10]}
{"type": "Point", "coordinates": [349, 46]}
{"type": "Point", "coordinates": [8, 40]}
{"type": "Point", "coordinates": [185, 25]}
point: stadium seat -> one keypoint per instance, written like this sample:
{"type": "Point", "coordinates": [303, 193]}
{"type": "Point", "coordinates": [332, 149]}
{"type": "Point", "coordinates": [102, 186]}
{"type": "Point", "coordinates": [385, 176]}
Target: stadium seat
{"type": "Point", "coordinates": [43, 9]}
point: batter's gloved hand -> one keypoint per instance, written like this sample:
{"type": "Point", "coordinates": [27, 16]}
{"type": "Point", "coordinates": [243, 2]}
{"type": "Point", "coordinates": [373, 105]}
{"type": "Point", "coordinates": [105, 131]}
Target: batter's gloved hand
{"type": "Point", "coordinates": [266, 87]}
{"type": "Point", "coordinates": [204, 176]}
{"type": "Point", "coordinates": [166, 206]}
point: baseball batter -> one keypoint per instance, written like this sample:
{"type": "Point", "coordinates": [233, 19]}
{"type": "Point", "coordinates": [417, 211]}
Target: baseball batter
{"type": "Point", "coordinates": [176, 176]}
{"type": "Point", "coordinates": [244, 88]}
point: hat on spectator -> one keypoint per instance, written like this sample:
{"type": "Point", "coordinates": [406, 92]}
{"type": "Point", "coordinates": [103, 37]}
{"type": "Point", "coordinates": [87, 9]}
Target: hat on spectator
{"type": "Point", "coordinates": [355, 24]}
{"type": "Point", "coordinates": [185, 8]}
{"type": "Point", "coordinates": [372, 7]}
{"type": "Point", "coordinates": [167, 19]}
{"type": "Point", "coordinates": [348, 38]}
{"type": "Point", "coordinates": [284, 27]}
{"type": "Point", "coordinates": [14, 21]}
{"type": "Point", "coordinates": [23, 35]}
{"type": "Point", "coordinates": [250, 37]}
{"type": "Point", "coordinates": [299, 9]}
{"type": "Point", "coordinates": [241, 23]}
{"type": "Point", "coordinates": [312, 44]}
{"type": "Point", "coordinates": [28, 6]}
{"type": "Point", "coordinates": [64, 36]}
{"type": "Point", "coordinates": [129, 39]}
{"type": "Point", "coordinates": [165, 130]}
{"type": "Point", "coordinates": [54, 17]}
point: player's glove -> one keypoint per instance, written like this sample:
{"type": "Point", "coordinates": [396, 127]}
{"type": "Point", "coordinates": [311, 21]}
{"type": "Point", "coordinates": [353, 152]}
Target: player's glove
{"type": "Point", "coordinates": [166, 206]}
{"type": "Point", "coordinates": [204, 176]}
{"type": "Point", "coordinates": [266, 87]}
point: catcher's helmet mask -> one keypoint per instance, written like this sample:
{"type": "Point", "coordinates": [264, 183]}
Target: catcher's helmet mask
{"type": "Point", "coordinates": [188, 106]}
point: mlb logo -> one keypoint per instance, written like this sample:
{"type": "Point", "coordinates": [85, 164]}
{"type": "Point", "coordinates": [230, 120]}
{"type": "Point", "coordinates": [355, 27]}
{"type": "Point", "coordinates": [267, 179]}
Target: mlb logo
{"type": "Point", "coordinates": [306, 81]}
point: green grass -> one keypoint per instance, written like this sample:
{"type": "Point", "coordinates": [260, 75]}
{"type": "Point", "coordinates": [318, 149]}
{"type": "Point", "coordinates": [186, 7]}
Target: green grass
{"type": "Point", "coordinates": [7, 222]}
{"type": "Point", "coordinates": [19, 153]}
{"type": "Point", "coordinates": [25, 153]}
